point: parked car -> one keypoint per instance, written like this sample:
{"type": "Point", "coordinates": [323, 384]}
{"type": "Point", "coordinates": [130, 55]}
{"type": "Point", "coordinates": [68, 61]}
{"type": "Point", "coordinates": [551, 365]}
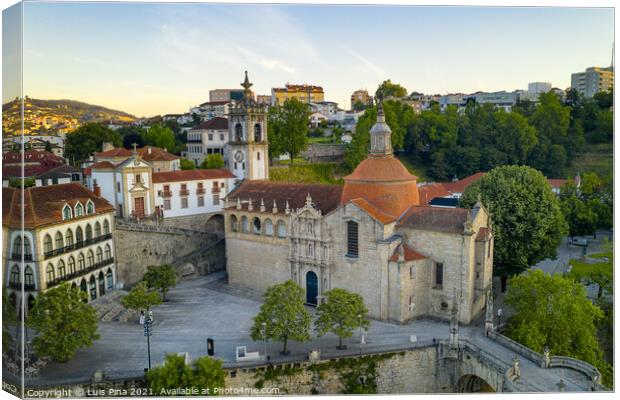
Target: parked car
{"type": "Point", "coordinates": [580, 241]}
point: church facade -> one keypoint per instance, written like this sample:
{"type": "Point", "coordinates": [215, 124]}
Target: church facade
{"type": "Point", "coordinates": [370, 236]}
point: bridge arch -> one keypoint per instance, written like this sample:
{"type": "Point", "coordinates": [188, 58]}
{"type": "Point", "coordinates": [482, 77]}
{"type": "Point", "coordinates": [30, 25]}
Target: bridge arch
{"type": "Point", "coordinates": [473, 384]}
{"type": "Point", "coordinates": [215, 224]}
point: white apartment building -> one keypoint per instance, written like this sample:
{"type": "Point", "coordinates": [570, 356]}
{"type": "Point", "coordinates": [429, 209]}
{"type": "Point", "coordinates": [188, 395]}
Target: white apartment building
{"type": "Point", "coordinates": [209, 137]}
{"type": "Point", "coordinates": [327, 108]}
{"type": "Point", "coordinates": [593, 80]}
{"type": "Point", "coordinates": [191, 192]}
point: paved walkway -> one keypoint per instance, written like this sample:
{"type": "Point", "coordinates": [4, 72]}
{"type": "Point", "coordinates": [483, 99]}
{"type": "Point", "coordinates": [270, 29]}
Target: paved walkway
{"type": "Point", "coordinates": [198, 309]}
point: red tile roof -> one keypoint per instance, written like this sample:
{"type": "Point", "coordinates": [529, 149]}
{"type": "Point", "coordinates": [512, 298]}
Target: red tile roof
{"type": "Point", "coordinates": [148, 153]}
{"type": "Point", "coordinates": [557, 183]}
{"type": "Point", "coordinates": [408, 253]}
{"type": "Point", "coordinates": [31, 156]}
{"type": "Point", "coordinates": [99, 165]}
{"type": "Point", "coordinates": [373, 211]}
{"type": "Point", "coordinates": [460, 185]}
{"type": "Point", "coordinates": [191, 175]}
{"type": "Point", "coordinates": [43, 205]}
{"type": "Point", "coordinates": [324, 197]}
{"type": "Point", "coordinates": [384, 182]}
{"type": "Point", "coordinates": [431, 190]}
{"type": "Point", "coordinates": [434, 218]}
{"type": "Point", "coordinates": [216, 123]}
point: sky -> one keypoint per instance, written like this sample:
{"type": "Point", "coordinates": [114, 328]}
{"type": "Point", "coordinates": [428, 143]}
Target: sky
{"type": "Point", "coordinates": [154, 58]}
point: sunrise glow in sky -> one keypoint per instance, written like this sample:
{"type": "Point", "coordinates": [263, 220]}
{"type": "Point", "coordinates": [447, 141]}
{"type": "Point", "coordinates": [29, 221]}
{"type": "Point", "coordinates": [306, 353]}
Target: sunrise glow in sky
{"type": "Point", "coordinates": [149, 58]}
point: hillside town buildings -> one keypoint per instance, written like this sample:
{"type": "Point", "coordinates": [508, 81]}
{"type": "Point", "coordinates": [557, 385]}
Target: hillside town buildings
{"type": "Point", "coordinates": [43, 167]}
{"type": "Point", "coordinates": [593, 80]}
{"type": "Point", "coordinates": [67, 236]}
{"type": "Point", "coordinates": [160, 159]}
{"type": "Point", "coordinates": [361, 96]}
{"type": "Point", "coordinates": [304, 93]}
{"type": "Point", "coordinates": [371, 236]}
{"type": "Point", "coordinates": [209, 137]}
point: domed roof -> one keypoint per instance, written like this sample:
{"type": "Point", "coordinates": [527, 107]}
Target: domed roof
{"type": "Point", "coordinates": [380, 169]}
{"type": "Point", "coordinates": [381, 179]}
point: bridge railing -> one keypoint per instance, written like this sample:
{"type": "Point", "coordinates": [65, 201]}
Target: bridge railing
{"type": "Point", "coordinates": [578, 365]}
{"type": "Point", "coordinates": [505, 369]}
{"type": "Point", "coordinates": [517, 347]}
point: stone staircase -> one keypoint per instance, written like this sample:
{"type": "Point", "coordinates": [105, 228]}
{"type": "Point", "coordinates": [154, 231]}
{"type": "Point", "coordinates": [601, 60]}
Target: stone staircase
{"type": "Point", "coordinates": [108, 308]}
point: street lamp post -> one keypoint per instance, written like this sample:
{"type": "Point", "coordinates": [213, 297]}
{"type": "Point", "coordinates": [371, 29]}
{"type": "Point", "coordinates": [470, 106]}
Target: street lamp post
{"type": "Point", "coordinates": [264, 333]}
{"type": "Point", "coordinates": [147, 333]}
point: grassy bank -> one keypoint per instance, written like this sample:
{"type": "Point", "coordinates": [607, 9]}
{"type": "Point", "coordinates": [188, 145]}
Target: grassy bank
{"type": "Point", "coordinates": [327, 173]}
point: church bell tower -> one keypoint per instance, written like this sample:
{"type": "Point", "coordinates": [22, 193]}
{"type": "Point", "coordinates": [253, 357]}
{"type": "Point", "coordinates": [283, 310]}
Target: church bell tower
{"type": "Point", "coordinates": [247, 150]}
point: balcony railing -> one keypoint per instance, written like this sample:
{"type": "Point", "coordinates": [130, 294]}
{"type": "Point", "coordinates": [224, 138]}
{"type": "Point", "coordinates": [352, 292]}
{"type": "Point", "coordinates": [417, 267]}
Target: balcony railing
{"type": "Point", "coordinates": [80, 273]}
{"type": "Point", "coordinates": [18, 257]}
{"type": "Point", "coordinates": [18, 286]}
{"type": "Point", "coordinates": [215, 190]}
{"type": "Point", "coordinates": [165, 193]}
{"type": "Point", "coordinates": [184, 192]}
{"type": "Point", "coordinates": [200, 191]}
{"type": "Point", "coordinates": [77, 245]}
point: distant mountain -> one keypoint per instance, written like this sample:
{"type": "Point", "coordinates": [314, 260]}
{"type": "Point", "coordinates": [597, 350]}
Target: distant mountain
{"type": "Point", "coordinates": [56, 116]}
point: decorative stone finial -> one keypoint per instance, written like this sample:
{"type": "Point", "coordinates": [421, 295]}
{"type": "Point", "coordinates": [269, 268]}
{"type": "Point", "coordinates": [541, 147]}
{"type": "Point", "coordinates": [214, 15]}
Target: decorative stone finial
{"type": "Point", "coordinates": [262, 205]}
{"type": "Point", "coordinates": [546, 357]}
{"type": "Point", "coordinates": [275, 207]}
{"type": "Point", "coordinates": [250, 205]}
{"type": "Point", "coordinates": [561, 385]}
{"type": "Point", "coordinates": [247, 93]}
{"type": "Point", "coordinates": [287, 210]}
{"type": "Point", "coordinates": [308, 200]}
{"type": "Point", "coordinates": [380, 135]}
{"type": "Point", "coordinates": [516, 371]}
{"type": "Point", "coordinates": [238, 203]}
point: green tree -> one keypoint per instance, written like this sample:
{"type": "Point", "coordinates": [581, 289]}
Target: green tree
{"type": "Point", "coordinates": [161, 277]}
{"type": "Point", "coordinates": [388, 89]}
{"type": "Point", "coordinates": [359, 105]}
{"type": "Point", "coordinates": [580, 215]}
{"type": "Point", "coordinates": [213, 161]}
{"type": "Point", "coordinates": [284, 315]}
{"type": "Point", "coordinates": [288, 128]}
{"type": "Point", "coordinates": [528, 224]}
{"type": "Point", "coordinates": [17, 182]}
{"type": "Point", "coordinates": [554, 311]}
{"type": "Point", "coordinates": [64, 322]}
{"type": "Point", "coordinates": [204, 374]}
{"type": "Point", "coordinates": [341, 313]}
{"type": "Point", "coordinates": [160, 136]}
{"type": "Point", "coordinates": [89, 138]}
{"type": "Point", "coordinates": [187, 164]}
{"type": "Point", "coordinates": [132, 134]}
{"type": "Point", "coordinates": [140, 298]}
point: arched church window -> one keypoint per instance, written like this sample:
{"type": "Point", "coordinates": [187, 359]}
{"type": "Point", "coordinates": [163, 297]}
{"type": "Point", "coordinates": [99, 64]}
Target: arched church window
{"type": "Point", "coordinates": [61, 269]}
{"type": "Point", "coordinates": [258, 134]}
{"type": "Point", "coordinates": [49, 273]}
{"type": "Point", "coordinates": [268, 227]}
{"type": "Point", "coordinates": [233, 223]}
{"type": "Point", "coordinates": [256, 226]}
{"type": "Point", "coordinates": [106, 227]}
{"type": "Point", "coordinates": [281, 227]}
{"type": "Point", "coordinates": [97, 229]}
{"type": "Point", "coordinates": [310, 228]}
{"type": "Point", "coordinates": [238, 133]}
{"type": "Point", "coordinates": [69, 237]}
{"type": "Point", "coordinates": [245, 224]}
{"type": "Point", "coordinates": [28, 276]}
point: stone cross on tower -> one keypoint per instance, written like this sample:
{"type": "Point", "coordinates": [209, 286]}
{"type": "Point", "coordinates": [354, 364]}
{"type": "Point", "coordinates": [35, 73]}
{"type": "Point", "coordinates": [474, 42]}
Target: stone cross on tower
{"type": "Point", "coordinates": [135, 148]}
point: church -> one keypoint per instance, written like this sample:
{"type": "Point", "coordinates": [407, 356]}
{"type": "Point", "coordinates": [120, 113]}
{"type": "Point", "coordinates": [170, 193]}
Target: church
{"type": "Point", "coordinates": [371, 236]}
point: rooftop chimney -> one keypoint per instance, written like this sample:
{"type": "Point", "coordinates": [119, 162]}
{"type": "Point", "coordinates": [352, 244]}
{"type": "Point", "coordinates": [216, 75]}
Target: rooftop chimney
{"type": "Point", "coordinates": [97, 190]}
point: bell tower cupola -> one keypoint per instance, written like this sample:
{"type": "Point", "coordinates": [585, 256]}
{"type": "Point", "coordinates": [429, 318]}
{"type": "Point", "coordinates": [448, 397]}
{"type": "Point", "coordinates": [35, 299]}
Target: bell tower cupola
{"type": "Point", "coordinates": [380, 136]}
{"type": "Point", "coordinates": [247, 154]}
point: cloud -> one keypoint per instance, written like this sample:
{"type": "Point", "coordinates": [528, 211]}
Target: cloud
{"type": "Point", "coordinates": [370, 67]}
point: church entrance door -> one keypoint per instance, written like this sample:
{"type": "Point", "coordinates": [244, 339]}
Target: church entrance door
{"type": "Point", "coordinates": [138, 206]}
{"type": "Point", "coordinates": [312, 288]}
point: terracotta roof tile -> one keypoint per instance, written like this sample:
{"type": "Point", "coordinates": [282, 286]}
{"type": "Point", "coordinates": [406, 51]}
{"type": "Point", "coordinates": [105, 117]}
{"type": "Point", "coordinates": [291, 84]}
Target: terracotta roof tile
{"type": "Point", "coordinates": [373, 211]}
{"type": "Point", "coordinates": [43, 205]}
{"type": "Point", "coordinates": [557, 183]}
{"type": "Point", "coordinates": [324, 197]}
{"type": "Point", "coordinates": [460, 185]}
{"type": "Point", "coordinates": [12, 157]}
{"type": "Point", "coordinates": [408, 253]}
{"type": "Point", "coordinates": [148, 153]}
{"type": "Point", "coordinates": [191, 175]}
{"type": "Point", "coordinates": [431, 190]}
{"type": "Point", "coordinates": [435, 218]}
{"type": "Point", "coordinates": [216, 123]}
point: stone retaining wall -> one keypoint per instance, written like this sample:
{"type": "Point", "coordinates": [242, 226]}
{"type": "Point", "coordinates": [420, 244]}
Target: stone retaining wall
{"type": "Point", "coordinates": [324, 152]}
